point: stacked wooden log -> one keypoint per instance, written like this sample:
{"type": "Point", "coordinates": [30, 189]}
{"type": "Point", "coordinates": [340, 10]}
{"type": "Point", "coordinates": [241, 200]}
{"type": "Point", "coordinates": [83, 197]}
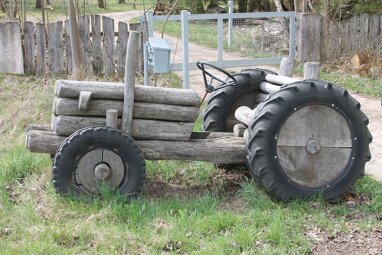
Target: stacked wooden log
{"type": "Point", "coordinates": [159, 113]}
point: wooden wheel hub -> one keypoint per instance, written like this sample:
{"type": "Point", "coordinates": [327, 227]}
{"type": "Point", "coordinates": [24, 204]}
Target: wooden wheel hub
{"type": "Point", "coordinates": [99, 165]}
{"type": "Point", "coordinates": [102, 171]}
{"type": "Point", "coordinates": [313, 146]}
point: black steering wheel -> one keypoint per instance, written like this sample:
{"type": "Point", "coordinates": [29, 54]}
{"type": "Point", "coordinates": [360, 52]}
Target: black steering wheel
{"type": "Point", "coordinates": [208, 85]}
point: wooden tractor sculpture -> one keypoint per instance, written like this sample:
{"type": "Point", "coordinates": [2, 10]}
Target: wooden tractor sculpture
{"type": "Point", "coordinates": [301, 139]}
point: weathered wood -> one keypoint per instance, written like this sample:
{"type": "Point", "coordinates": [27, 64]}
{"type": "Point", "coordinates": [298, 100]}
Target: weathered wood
{"type": "Point", "coordinates": [108, 90]}
{"type": "Point", "coordinates": [222, 150]}
{"type": "Point", "coordinates": [345, 36]}
{"type": "Point", "coordinates": [96, 48]}
{"type": "Point", "coordinates": [375, 33]}
{"type": "Point", "coordinates": [128, 101]}
{"type": "Point", "coordinates": [244, 114]}
{"type": "Point", "coordinates": [364, 30]}
{"type": "Point", "coordinates": [55, 48]}
{"type": "Point", "coordinates": [142, 110]}
{"type": "Point", "coordinates": [308, 37]}
{"type": "Point", "coordinates": [40, 49]}
{"type": "Point", "coordinates": [108, 46]}
{"type": "Point", "coordinates": [68, 48]}
{"type": "Point", "coordinates": [84, 28]}
{"type": "Point", "coordinates": [312, 70]}
{"type": "Point", "coordinates": [354, 34]}
{"type": "Point", "coordinates": [29, 49]}
{"type": "Point", "coordinates": [267, 87]}
{"type": "Point", "coordinates": [141, 129]}
{"type": "Point", "coordinates": [238, 130]}
{"type": "Point", "coordinates": [279, 79]}
{"type": "Point", "coordinates": [120, 50]}
{"type": "Point", "coordinates": [84, 100]}
{"type": "Point", "coordinates": [261, 97]}
{"type": "Point", "coordinates": [111, 118]}
{"type": "Point", "coordinates": [286, 67]}
{"type": "Point", "coordinates": [245, 135]}
{"type": "Point", "coordinates": [37, 127]}
{"type": "Point", "coordinates": [335, 45]}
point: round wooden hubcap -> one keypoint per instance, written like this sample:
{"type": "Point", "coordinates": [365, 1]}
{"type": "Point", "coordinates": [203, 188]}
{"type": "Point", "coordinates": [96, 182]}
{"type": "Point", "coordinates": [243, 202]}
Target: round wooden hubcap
{"type": "Point", "coordinates": [99, 165]}
{"type": "Point", "coordinates": [313, 147]}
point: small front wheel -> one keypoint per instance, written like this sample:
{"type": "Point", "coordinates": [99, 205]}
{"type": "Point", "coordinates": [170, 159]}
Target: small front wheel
{"type": "Point", "coordinates": [97, 156]}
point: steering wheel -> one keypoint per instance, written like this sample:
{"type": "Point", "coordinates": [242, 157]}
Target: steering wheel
{"type": "Point", "coordinates": [208, 85]}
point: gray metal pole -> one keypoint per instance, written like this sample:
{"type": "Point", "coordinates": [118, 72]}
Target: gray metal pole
{"type": "Point", "coordinates": [186, 68]}
{"type": "Point", "coordinates": [220, 39]}
{"type": "Point", "coordinates": [150, 23]}
{"type": "Point", "coordinates": [146, 64]}
{"type": "Point", "coordinates": [230, 23]}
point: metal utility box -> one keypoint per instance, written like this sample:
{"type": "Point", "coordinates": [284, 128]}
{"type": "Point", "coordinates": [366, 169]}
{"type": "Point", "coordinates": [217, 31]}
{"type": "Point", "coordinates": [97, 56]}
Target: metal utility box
{"type": "Point", "coordinates": [159, 55]}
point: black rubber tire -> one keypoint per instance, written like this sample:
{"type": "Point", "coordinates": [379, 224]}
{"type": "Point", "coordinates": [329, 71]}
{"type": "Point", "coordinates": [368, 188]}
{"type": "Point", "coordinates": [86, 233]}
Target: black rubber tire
{"type": "Point", "coordinates": [90, 138]}
{"type": "Point", "coordinates": [265, 127]}
{"type": "Point", "coordinates": [221, 104]}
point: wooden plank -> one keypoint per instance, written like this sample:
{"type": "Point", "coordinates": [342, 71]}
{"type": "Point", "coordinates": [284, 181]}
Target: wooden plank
{"type": "Point", "coordinates": [68, 48]}
{"type": "Point", "coordinates": [375, 32]}
{"type": "Point", "coordinates": [108, 46]}
{"type": "Point", "coordinates": [128, 101]}
{"type": "Point", "coordinates": [40, 49]}
{"type": "Point", "coordinates": [364, 31]}
{"type": "Point", "coordinates": [29, 49]}
{"type": "Point", "coordinates": [354, 34]}
{"type": "Point", "coordinates": [267, 87]}
{"type": "Point", "coordinates": [108, 90]}
{"type": "Point", "coordinates": [345, 37]}
{"type": "Point", "coordinates": [98, 108]}
{"type": "Point", "coordinates": [220, 150]}
{"type": "Point", "coordinates": [121, 47]}
{"type": "Point", "coordinates": [141, 129]}
{"type": "Point", "coordinates": [111, 118]}
{"type": "Point", "coordinates": [55, 48]}
{"type": "Point", "coordinates": [84, 28]}
{"type": "Point", "coordinates": [334, 46]}
{"type": "Point", "coordinates": [96, 47]}
{"type": "Point", "coordinates": [84, 100]}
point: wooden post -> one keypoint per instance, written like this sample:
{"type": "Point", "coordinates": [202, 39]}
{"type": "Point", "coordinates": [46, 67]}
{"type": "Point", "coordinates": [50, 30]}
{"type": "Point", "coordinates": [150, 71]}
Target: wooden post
{"type": "Point", "coordinates": [111, 118]}
{"type": "Point", "coordinates": [29, 48]}
{"type": "Point", "coordinates": [40, 49]}
{"type": "Point", "coordinates": [286, 67]}
{"type": "Point", "coordinates": [312, 70]}
{"type": "Point", "coordinates": [131, 57]}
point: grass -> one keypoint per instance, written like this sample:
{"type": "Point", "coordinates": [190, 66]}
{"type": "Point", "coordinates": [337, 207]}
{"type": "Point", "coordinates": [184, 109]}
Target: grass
{"type": "Point", "coordinates": [186, 208]}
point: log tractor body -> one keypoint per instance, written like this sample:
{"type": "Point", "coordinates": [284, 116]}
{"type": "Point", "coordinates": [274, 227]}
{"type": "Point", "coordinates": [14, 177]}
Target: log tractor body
{"type": "Point", "coordinates": [297, 138]}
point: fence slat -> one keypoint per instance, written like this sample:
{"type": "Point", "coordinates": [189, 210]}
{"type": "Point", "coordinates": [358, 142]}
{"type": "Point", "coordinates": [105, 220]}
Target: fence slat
{"type": "Point", "coordinates": [68, 49]}
{"type": "Point", "coordinates": [345, 35]}
{"type": "Point", "coordinates": [40, 49]}
{"type": "Point", "coordinates": [120, 51]}
{"type": "Point", "coordinates": [96, 48]}
{"type": "Point", "coordinates": [55, 48]}
{"type": "Point", "coordinates": [335, 46]}
{"type": "Point", "coordinates": [364, 31]}
{"type": "Point", "coordinates": [29, 47]}
{"type": "Point", "coordinates": [84, 27]}
{"type": "Point", "coordinates": [354, 34]}
{"type": "Point", "coordinates": [108, 46]}
{"type": "Point", "coordinates": [374, 32]}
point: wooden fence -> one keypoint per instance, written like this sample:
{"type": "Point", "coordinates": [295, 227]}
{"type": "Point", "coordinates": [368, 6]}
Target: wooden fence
{"type": "Point", "coordinates": [346, 37]}
{"type": "Point", "coordinates": [47, 48]}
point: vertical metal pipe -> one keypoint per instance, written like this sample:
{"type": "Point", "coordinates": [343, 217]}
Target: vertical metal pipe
{"type": "Point", "coordinates": [146, 64]}
{"type": "Point", "coordinates": [184, 23]}
{"type": "Point", "coordinates": [220, 39]}
{"type": "Point", "coordinates": [150, 23]}
{"type": "Point", "coordinates": [230, 23]}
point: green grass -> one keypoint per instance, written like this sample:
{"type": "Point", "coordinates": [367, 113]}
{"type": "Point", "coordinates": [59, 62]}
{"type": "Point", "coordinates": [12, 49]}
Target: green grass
{"type": "Point", "coordinates": [186, 208]}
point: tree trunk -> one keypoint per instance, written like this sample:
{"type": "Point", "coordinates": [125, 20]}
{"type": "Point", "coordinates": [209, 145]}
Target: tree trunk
{"type": "Point", "coordinates": [101, 3]}
{"type": "Point", "coordinates": [243, 5]}
{"type": "Point", "coordinates": [252, 6]}
{"type": "Point", "coordinates": [75, 43]}
{"type": "Point", "coordinates": [121, 1]}
{"type": "Point", "coordinates": [38, 4]}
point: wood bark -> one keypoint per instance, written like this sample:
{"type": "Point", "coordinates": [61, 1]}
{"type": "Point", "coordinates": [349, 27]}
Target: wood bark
{"type": "Point", "coordinates": [128, 101]}
{"type": "Point", "coordinates": [107, 90]}
{"type": "Point", "coordinates": [141, 128]}
{"type": "Point", "coordinates": [278, 79]}
{"type": "Point", "coordinates": [142, 110]}
{"type": "Point", "coordinates": [221, 150]}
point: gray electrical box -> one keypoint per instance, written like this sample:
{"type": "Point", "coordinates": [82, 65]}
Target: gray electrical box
{"type": "Point", "coordinates": [159, 55]}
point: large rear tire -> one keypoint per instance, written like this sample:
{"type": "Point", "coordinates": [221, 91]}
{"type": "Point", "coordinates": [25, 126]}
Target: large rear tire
{"type": "Point", "coordinates": [308, 138]}
{"type": "Point", "coordinates": [219, 113]}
